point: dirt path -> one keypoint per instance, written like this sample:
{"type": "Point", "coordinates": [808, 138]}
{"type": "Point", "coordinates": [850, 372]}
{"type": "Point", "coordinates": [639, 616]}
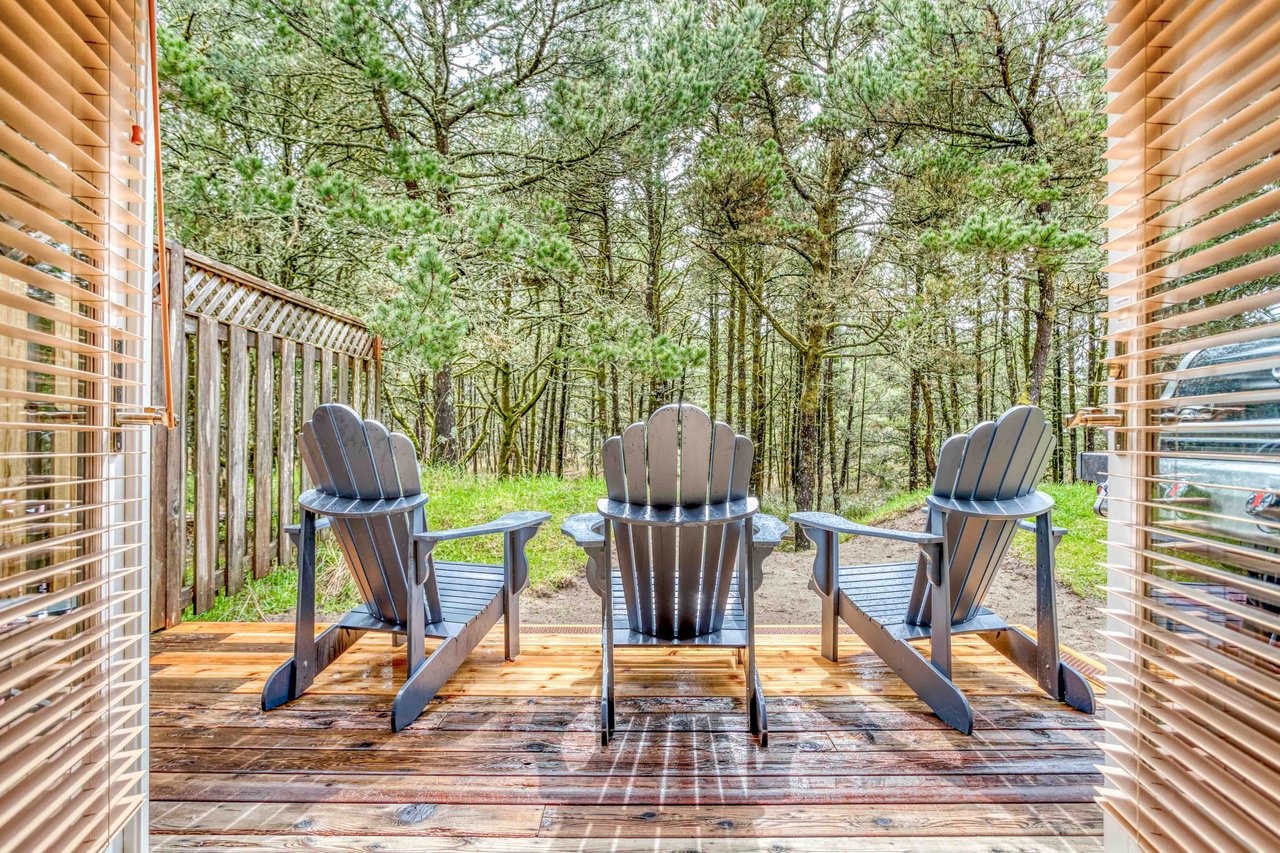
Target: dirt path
{"type": "Point", "coordinates": [786, 600]}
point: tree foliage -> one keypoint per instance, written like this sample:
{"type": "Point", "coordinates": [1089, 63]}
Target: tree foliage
{"type": "Point", "coordinates": [848, 228]}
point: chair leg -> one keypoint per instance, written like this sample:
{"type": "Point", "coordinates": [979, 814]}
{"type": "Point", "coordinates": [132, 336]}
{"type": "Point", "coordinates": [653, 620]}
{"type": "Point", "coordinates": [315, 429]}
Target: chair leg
{"type": "Point", "coordinates": [510, 601]}
{"type": "Point", "coordinates": [831, 628]}
{"type": "Point", "coordinates": [758, 717]}
{"type": "Point", "coordinates": [426, 677]}
{"type": "Point", "coordinates": [290, 680]}
{"type": "Point", "coordinates": [311, 654]}
{"type": "Point", "coordinates": [937, 690]}
{"type": "Point", "coordinates": [1069, 686]}
{"type": "Point", "coordinates": [829, 557]}
{"type": "Point", "coordinates": [608, 715]}
{"type": "Point", "coordinates": [757, 721]}
{"type": "Point", "coordinates": [1041, 658]}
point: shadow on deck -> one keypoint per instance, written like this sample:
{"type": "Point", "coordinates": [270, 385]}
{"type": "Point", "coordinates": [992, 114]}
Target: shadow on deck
{"type": "Point", "coordinates": [510, 759]}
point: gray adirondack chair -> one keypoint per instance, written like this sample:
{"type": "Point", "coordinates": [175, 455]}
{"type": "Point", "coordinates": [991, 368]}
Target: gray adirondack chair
{"type": "Point", "coordinates": [368, 493]}
{"type": "Point", "coordinates": [686, 536]}
{"type": "Point", "coordinates": [984, 490]}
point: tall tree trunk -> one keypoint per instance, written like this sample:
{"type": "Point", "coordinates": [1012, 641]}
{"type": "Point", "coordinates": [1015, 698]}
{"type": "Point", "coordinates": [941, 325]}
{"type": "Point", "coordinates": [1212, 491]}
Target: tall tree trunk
{"type": "Point", "coordinates": [730, 353]}
{"type": "Point", "coordinates": [742, 363]}
{"type": "Point", "coordinates": [1044, 314]}
{"type": "Point", "coordinates": [713, 349]}
{"type": "Point", "coordinates": [1006, 342]}
{"type": "Point", "coordinates": [913, 433]}
{"type": "Point", "coordinates": [758, 399]}
{"type": "Point", "coordinates": [653, 277]}
{"type": "Point", "coordinates": [848, 426]}
{"type": "Point", "coordinates": [1055, 409]}
{"type": "Point", "coordinates": [444, 446]}
{"type": "Point", "coordinates": [978, 369]}
{"type": "Point", "coordinates": [833, 467]}
{"type": "Point", "coordinates": [926, 394]}
{"type": "Point", "coordinates": [862, 430]}
{"type": "Point", "coordinates": [1073, 444]}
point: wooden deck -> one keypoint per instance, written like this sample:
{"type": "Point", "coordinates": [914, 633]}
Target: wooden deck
{"type": "Point", "coordinates": [510, 760]}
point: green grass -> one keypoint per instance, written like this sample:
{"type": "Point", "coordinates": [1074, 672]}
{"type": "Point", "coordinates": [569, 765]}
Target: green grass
{"type": "Point", "coordinates": [1083, 550]}
{"type": "Point", "coordinates": [459, 499]}
{"type": "Point", "coordinates": [1080, 555]}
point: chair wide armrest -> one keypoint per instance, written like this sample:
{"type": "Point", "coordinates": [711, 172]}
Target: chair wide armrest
{"type": "Point", "coordinates": [339, 507]}
{"type": "Point", "coordinates": [508, 523]}
{"type": "Point", "coordinates": [766, 534]}
{"type": "Point", "coordinates": [293, 531]}
{"type": "Point", "coordinates": [835, 524]}
{"type": "Point", "coordinates": [1058, 532]}
{"type": "Point", "coordinates": [1026, 506]}
{"type": "Point", "coordinates": [586, 529]}
{"type": "Point", "coordinates": [767, 530]}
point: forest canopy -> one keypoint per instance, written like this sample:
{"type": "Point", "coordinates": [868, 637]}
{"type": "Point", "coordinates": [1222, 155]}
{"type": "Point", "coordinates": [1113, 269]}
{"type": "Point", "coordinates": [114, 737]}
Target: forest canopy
{"type": "Point", "coordinates": [848, 229]}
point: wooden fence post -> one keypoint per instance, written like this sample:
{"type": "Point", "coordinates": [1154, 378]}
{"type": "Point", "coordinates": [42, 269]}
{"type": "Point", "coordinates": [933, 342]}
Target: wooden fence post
{"type": "Point", "coordinates": [288, 381]}
{"type": "Point", "coordinates": [308, 394]}
{"type": "Point", "coordinates": [344, 379]}
{"type": "Point", "coordinates": [168, 457]}
{"type": "Point", "coordinates": [237, 453]}
{"type": "Point", "coordinates": [208, 447]}
{"type": "Point", "coordinates": [263, 454]}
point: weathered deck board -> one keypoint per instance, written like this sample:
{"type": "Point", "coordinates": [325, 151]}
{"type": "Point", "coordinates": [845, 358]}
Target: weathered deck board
{"type": "Point", "coordinates": [508, 758]}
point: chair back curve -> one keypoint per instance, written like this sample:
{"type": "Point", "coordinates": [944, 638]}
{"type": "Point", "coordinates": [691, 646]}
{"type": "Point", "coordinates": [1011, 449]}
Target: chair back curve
{"type": "Point", "coordinates": [349, 457]}
{"type": "Point", "coordinates": [996, 460]}
{"type": "Point", "coordinates": [676, 581]}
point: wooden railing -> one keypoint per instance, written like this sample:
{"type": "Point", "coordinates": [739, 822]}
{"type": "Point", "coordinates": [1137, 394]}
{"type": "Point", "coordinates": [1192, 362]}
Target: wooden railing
{"type": "Point", "coordinates": [250, 361]}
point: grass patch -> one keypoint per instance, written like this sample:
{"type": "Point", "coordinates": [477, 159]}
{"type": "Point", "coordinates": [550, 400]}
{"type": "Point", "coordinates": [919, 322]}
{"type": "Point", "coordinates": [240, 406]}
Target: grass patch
{"type": "Point", "coordinates": [1079, 557]}
{"type": "Point", "coordinates": [277, 591]}
{"type": "Point", "coordinates": [458, 499]}
{"type": "Point", "coordinates": [1083, 550]}
{"type": "Point", "coordinates": [865, 509]}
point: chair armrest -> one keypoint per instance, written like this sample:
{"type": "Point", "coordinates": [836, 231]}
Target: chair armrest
{"type": "Point", "coordinates": [766, 534]}
{"type": "Point", "coordinates": [677, 516]}
{"type": "Point", "coordinates": [508, 523]}
{"type": "Point", "coordinates": [338, 507]}
{"type": "Point", "coordinates": [293, 531]}
{"type": "Point", "coordinates": [517, 527]}
{"type": "Point", "coordinates": [1030, 527]}
{"type": "Point", "coordinates": [584, 529]}
{"type": "Point", "coordinates": [835, 524]}
{"type": "Point", "coordinates": [767, 531]}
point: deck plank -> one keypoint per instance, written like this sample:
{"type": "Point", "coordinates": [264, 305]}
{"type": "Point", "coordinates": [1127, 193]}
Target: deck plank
{"type": "Point", "coordinates": [507, 758]}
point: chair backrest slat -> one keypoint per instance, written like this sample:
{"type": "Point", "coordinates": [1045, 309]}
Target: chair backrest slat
{"type": "Point", "coordinates": [715, 571]}
{"type": "Point", "coordinates": [353, 458]}
{"type": "Point", "coordinates": [696, 431]}
{"type": "Point", "coordinates": [995, 461]}
{"type": "Point", "coordinates": [676, 581]}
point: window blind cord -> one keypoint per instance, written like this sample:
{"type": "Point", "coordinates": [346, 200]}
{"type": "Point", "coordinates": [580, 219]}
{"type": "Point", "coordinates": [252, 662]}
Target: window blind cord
{"type": "Point", "coordinates": [165, 333]}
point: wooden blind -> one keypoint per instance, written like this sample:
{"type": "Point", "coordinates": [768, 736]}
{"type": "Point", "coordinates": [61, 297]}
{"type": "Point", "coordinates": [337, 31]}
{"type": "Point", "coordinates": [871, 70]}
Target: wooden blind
{"type": "Point", "coordinates": [1194, 597]}
{"type": "Point", "coordinates": [74, 309]}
